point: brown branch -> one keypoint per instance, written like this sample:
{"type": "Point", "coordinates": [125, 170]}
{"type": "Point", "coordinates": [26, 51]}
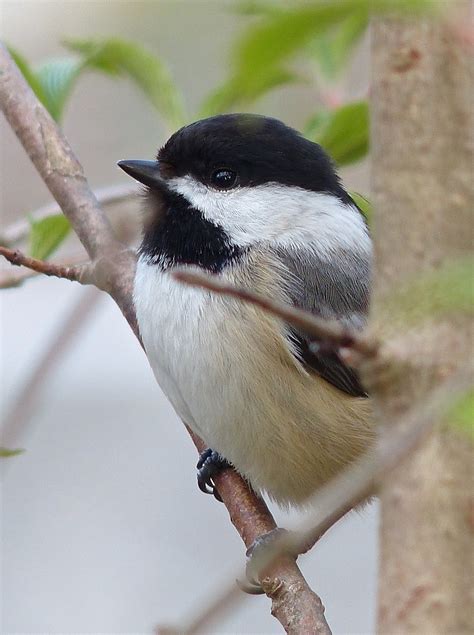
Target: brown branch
{"type": "Point", "coordinates": [299, 610]}
{"type": "Point", "coordinates": [294, 604]}
{"type": "Point", "coordinates": [55, 161]}
{"type": "Point", "coordinates": [76, 273]}
{"type": "Point", "coordinates": [11, 277]}
{"type": "Point", "coordinates": [327, 330]}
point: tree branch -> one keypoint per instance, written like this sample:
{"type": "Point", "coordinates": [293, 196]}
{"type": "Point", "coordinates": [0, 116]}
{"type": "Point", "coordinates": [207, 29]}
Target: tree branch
{"type": "Point", "coordinates": [298, 609]}
{"type": "Point", "coordinates": [52, 156]}
{"type": "Point", "coordinates": [329, 331]}
{"type": "Point", "coordinates": [294, 604]}
{"type": "Point", "coordinates": [76, 273]}
{"type": "Point", "coordinates": [11, 277]}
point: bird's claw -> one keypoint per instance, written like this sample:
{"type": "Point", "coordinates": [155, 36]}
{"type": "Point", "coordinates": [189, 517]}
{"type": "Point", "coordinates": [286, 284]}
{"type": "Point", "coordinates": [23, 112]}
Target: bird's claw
{"type": "Point", "coordinates": [259, 555]}
{"type": "Point", "coordinates": [210, 463]}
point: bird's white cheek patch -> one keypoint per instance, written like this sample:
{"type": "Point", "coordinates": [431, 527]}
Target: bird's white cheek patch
{"type": "Point", "coordinates": [274, 212]}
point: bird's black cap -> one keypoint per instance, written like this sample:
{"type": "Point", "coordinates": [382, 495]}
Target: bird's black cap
{"type": "Point", "coordinates": [260, 149]}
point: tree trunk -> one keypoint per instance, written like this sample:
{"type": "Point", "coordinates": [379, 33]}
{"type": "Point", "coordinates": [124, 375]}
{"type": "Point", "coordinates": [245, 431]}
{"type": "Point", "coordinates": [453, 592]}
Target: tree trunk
{"type": "Point", "coordinates": [422, 113]}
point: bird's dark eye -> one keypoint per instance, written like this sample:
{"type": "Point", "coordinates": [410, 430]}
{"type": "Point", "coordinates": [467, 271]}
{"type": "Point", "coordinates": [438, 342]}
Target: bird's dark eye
{"type": "Point", "coordinates": [223, 178]}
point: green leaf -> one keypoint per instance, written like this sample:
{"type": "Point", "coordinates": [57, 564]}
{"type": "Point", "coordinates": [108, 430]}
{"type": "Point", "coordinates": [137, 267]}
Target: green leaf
{"type": "Point", "coordinates": [232, 94]}
{"type": "Point", "coordinates": [363, 204]}
{"type": "Point", "coordinates": [29, 74]}
{"type": "Point", "coordinates": [280, 35]}
{"type": "Point", "coordinates": [344, 134]}
{"type": "Point", "coordinates": [317, 123]}
{"type": "Point", "coordinates": [123, 58]}
{"type": "Point", "coordinates": [450, 289]}
{"type": "Point", "coordinates": [57, 78]}
{"type": "Point", "coordinates": [332, 48]}
{"type": "Point", "coordinates": [461, 415]}
{"type": "Point", "coordinates": [47, 234]}
{"type": "Point", "coordinates": [256, 7]}
{"type": "Point", "coordinates": [6, 453]}
{"type": "Point", "coordinates": [52, 82]}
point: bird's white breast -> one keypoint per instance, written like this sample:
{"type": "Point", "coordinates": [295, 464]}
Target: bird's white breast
{"type": "Point", "coordinates": [193, 346]}
{"type": "Point", "coordinates": [229, 374]}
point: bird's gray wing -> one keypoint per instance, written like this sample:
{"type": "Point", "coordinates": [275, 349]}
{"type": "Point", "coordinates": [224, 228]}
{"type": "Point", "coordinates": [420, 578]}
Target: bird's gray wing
{"type": "Point", "coordinates": [332, 289]}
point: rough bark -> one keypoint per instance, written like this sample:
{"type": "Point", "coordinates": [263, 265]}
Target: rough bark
{"type": "Point", "coordinates": [423, 185]}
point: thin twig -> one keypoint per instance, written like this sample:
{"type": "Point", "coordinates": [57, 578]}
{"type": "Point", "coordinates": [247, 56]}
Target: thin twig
{"type": "Point", "coordinates": [330, 331]}
{"type": "Point", "coordinates": [11, 277]}
{"type": "Point", "coordinates": [76, 273]}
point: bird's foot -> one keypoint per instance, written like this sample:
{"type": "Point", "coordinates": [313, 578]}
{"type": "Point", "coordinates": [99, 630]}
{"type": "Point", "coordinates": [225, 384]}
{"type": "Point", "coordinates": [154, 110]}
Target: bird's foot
{"type": "Point", "coordinates": [210, 463]}
{"type": "Point", "coordinates": [261, 553]}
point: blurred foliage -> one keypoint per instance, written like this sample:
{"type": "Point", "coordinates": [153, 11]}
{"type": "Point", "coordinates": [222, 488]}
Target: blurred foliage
{"type": "Point", "coordinates": [57, 78]}
{"type": "Point", "coordinates": [121, 58]}
{"type": "Point", "coordinates": [5, 453]}
{"type": "Point", "coordinates": [328, 29]}
{"type": "Point", "coordinates": [323, 32]}
{"type": "Point", "coordinates": [448, 289]}
{"type": "Point", "coordinates": [343, 131]}
{"type": "Point", "coordinates": [461, 414]}
{"type": "Point", "coordinates": [363, 204]}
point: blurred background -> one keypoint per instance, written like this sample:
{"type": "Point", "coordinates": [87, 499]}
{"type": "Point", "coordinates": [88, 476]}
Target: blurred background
{"type": "Point", "coordinates": [103, 527]}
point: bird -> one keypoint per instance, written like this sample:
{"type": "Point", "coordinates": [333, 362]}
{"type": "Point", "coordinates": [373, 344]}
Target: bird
{"type": "Point", "coordinates": [252, 201]}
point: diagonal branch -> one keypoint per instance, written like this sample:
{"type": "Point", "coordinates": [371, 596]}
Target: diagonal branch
{"type": "Point", "coordinates": [55, 161]}
{"type": "Point", "coordinates": [77, 273]}
{"type": "Point", "coordinates": [294, 604]}
{"type": "Point", "coordinates": [330, 331]}
{"type": "Point", "coordinates": [10, 277]}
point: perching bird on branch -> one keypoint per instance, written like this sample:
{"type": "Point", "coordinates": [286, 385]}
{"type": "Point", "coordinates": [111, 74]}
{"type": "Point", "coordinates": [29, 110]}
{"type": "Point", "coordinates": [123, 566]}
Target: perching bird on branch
{"type": "Point", "coordinates": [249, 199]}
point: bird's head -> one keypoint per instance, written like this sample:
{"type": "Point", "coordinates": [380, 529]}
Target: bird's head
{"type": "Point", "coordinates": [234, 181]}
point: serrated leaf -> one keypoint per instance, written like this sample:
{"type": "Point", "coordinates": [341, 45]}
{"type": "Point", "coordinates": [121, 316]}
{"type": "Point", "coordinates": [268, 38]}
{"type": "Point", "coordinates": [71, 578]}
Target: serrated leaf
{"type": "Point", "coordinates": [232, 94]}
{"type": "Point", "coordinates": [123, 58]}
{"type": "Point", "coordinates": [461, 414]}
{"type": "Point", "coordinates": [6, 452]}
{"type": "Point", "coordinates": [29, 74]}
{"type": "Point", "coordinates": [57, 78]}
{"type": "Point", "coordinates": [344, 134]}
{"type": "Point", "coordinates": [47, 234]}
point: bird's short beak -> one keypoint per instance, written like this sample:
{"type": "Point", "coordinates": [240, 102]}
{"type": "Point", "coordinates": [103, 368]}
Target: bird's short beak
{"type": "Point", "coordinates": [146, 172]}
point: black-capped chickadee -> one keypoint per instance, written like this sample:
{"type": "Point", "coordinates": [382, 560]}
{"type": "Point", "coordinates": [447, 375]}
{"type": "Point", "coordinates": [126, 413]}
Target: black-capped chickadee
{"type": "Point", "coordinates": [251, 200]}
